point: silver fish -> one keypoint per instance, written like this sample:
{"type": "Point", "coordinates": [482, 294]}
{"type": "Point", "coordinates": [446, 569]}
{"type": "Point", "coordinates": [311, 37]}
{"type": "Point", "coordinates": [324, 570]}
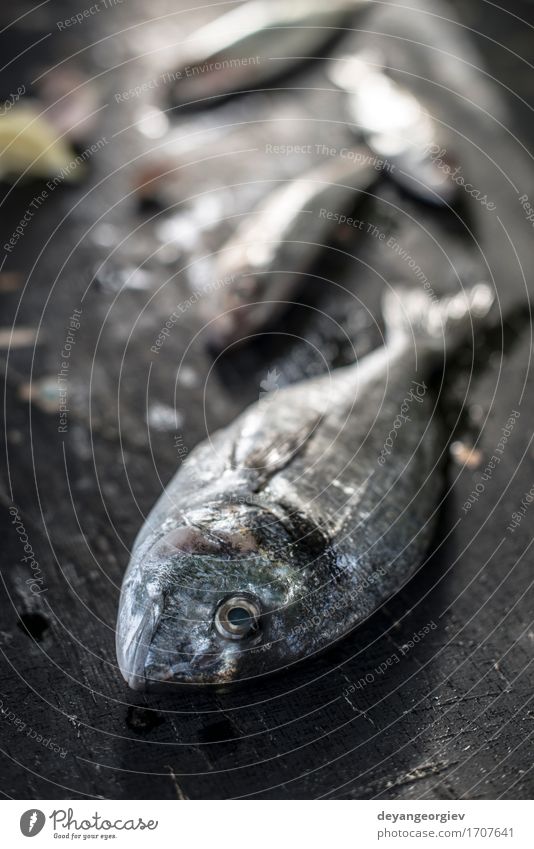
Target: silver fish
{"type": "Point", "coordinates": [282, 532]}
{"type": "Point", "coordinates": [254, 44]}
{"type": "Point", "coordinates": [278, 241]}
{"type": "Point", "coordinates": [395, 125]}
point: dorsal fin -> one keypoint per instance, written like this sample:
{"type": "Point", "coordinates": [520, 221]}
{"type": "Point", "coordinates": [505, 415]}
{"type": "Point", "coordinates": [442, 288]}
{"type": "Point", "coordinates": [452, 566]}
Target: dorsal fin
{"type": "Point", "coordinates": [267, 450]}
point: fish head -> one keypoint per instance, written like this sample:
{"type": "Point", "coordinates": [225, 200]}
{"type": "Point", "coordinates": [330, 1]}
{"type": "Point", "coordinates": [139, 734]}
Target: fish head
{"type": "Point", "coordinates": [250, 290]}
{"type": "Point", "coordinates": [210, 603]}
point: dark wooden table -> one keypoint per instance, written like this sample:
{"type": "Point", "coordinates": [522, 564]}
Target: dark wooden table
{"type": "Point", "coordinates": [453, 717]}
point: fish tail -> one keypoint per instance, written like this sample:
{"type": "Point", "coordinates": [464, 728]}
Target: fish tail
{"type": "Point", "coordinates": [439, 324]}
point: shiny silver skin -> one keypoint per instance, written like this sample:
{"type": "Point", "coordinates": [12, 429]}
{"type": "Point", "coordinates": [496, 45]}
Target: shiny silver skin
{"type": "Point", "coordinates": [265, 257]}
{"type": "Point", "coordinates": [395, 125]}
{"type": "Point", "coordinates": [254, 44]}
{"type": "Point", "coordinates": [299, 519]}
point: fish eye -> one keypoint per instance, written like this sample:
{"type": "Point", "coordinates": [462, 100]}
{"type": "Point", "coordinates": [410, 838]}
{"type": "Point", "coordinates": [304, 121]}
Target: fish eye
{"type": "Point", "coordinates": [237, 617]}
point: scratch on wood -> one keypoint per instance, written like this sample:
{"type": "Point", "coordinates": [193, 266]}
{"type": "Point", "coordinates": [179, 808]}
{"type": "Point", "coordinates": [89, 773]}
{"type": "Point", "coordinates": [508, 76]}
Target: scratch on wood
{"type": "Point", "coordinates": [178, 790]}
{"type": "Point", "coordinates": [501, 675]}
{"type": "Point", "coordinates": [419, 773]}
{"type": "Point", "coordinates": [358, 711]}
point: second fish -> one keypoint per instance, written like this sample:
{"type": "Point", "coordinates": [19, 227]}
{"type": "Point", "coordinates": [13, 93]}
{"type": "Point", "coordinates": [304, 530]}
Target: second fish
{"type": "Point", "coordinates": [279, 241]}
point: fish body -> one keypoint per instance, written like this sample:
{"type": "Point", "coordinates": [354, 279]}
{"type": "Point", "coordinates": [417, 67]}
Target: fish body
{"type": "Point", "coordinates": [288, 528]}
{"type": "Point", "coordinates": [259, 41]}
{"type": "Point", "coordinates": [395, 125]}
{"type": "Point", "coordinates": [264, 259]}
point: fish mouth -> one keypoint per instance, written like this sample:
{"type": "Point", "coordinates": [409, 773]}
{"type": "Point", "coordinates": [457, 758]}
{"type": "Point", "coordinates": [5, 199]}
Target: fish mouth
{"type": "Point", "coordinates": [204, 670]}
{"type": "Point", "coordinates": [234, 327]}
{"type": "Point", "coordinates": [133, 644]}
{"type": "Point", "coordinates": [148, 668]}
{"type": "Point", "coordinates": [239, 323]}
{"type": "Point", "coordinates": [223, 331]}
